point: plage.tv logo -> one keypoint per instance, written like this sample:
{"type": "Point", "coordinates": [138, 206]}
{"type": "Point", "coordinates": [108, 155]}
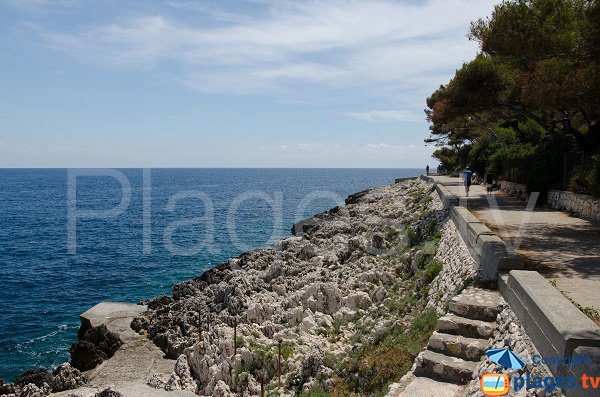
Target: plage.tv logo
{"type": "Point", "coordinates": [494, 384]}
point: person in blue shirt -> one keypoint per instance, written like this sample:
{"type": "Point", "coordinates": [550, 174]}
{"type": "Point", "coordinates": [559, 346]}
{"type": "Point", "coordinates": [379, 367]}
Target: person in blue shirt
{"type": "Point", "coordinates": [467, 175]}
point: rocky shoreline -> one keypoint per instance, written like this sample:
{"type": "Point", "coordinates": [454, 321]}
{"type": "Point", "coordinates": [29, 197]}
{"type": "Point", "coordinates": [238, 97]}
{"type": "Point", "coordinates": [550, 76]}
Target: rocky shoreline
{"type": "Point", "coordinates": [343, 306]}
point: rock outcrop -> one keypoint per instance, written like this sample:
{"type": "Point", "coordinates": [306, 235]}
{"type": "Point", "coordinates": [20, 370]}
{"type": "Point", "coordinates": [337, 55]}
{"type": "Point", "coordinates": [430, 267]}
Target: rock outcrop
{"type": "Point", "coordinates": [347, 277]}
{"type": "Point", "coordinates": [96, 345]}
{"type": "Point", "coordinates": [67, 378]}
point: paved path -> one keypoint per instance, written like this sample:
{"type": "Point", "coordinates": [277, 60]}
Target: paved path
{"type": "Point", "coordinates": [562, 248]}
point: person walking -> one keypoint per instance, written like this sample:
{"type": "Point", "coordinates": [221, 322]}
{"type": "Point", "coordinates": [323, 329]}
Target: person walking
{"type": "Point", "coordinates": [467, 176]}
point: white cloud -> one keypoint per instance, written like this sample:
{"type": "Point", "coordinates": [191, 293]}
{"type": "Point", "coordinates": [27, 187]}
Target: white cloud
{"type": "Point", "coordinates": [385, 115]}
{"type": "Point", "coordinates": [385, 45]}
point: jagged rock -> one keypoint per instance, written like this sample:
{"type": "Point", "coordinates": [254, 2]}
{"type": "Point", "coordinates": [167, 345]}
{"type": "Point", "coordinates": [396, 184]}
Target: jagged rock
{"type": "Point", "coordinates": [109, 392]}
{"type": "Point", "coordinates": [181, 379]}
{"type": "Point", "coordinates": [37, 377]}
{"type": "Point", "coordinates": [31, 390]}
{"type": "Point", "coordinates": [354, 198]}
{"type": "Point", "coordinates": [309, 291]}
{"type": "Point", "coordinates": [67, 378]}
{"type": "Point", "coordinates": [139, 324]}
{"type": "Point", "coordinates": [6, 388]}
{"type": "Point", "coordinates": [378, 241]}
{"type": "Point", "coordinates": [159, 302]}
{"type": "Point", "coordinates": [358, 300]}
{"type": "Point", "coordinates": [156, 382]}
{"type": "Point", "coordinates": [222, 390]}
{"type": "Point", "coordinates": [96, 345]}
{"type": "Point", "coordinates": [313, 360]}
{"type": "Point", "coordinates": [323, 297]}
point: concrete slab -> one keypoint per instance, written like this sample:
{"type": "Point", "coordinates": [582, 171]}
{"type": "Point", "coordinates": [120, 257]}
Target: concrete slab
{"type": "Point", "coordinates": [134, 363]}
{"type": "Point", "coordinates": [421, 386]}
{"type": "Point", "coordinates": [117, 317]}
{"type": "Point", "coordinates": [129, 390]}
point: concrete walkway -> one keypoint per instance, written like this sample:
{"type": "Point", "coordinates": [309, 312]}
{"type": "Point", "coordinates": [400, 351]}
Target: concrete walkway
{"type": "Point", "coordinates": [560, 247]}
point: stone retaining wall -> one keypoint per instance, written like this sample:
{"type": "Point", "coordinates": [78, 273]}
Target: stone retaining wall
{"type": "Point", "coordinates": [459, 267]}
{"type": "Point", "coordinates": [582, 205]}
{"type": "Point", "coordinates": [514, 189]}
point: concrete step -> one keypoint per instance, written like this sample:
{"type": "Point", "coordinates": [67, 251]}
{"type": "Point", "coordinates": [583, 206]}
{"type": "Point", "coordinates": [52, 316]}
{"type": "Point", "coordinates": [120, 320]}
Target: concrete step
{"type": "Point", "coordinates": [477, 304]}
{"type": "Point", "coordinates": [457, 325]}
{"type": "Point", "coordinates": [458, 346]}
{"type": "Point", "coordinates": [448, 369]}
{"type": "Point", "coordinates": [421, 386]}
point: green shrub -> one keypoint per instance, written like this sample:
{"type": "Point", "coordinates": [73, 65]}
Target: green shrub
{"type": "Point", "coordinates": [316, 392]}
{"type": "Point", "coordinates": [594, 176]}
{"type": "Point", "coordinates": [414, 237]}
{"type": "Point", "coordinates": [432, 269]}
{"type": "Point", "coordinates": [391, 234]}
{"type": "Point", "coordinates": [239, 341]}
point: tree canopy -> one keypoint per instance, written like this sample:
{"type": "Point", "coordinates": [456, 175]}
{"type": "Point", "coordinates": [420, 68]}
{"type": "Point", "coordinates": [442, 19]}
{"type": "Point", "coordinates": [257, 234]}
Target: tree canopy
{"type": "Point", "coordinates": [533, 90]}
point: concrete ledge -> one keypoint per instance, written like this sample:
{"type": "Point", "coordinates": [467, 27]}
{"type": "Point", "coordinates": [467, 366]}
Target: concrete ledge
{"type": "Point", "coordinates": [115, 315]}
{"type": "Point", "coordinates": [448, 199]}
{"type": "Point", "coordinates": [559, 325]}
{"type": "Point", "coordinates": [556, 327]}
{"type": "Point", "coordinates": [488, 250]}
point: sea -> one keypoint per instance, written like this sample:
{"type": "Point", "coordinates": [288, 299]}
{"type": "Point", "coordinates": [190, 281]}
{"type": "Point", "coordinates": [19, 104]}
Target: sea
{"type": "Point", "coordinates": [71, 238]}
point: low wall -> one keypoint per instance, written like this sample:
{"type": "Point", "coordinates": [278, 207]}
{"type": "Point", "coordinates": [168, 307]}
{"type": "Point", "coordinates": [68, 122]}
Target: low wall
{"type": "Point", "coordinates": [448, 199]}
{"type": "Point", "coordinates": [488, 250]}
{"type": "Point", "coordinates": [583, 206]}
{"type": "Point", "coordinates": [514, 189]}
{"type": "Point", "coordinates": [556, 327]}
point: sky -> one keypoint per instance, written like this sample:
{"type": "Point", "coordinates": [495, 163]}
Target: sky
{"type": "Point", "coordinates": [246, 83]}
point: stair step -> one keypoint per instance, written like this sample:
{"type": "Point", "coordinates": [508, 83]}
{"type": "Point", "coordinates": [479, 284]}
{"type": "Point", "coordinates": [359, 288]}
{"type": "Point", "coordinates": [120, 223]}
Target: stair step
{"type": "Point", "coordinates": [449, 369]}
{"type": "Point", "coordinates": [457, 325]}
{"type": "Point", "coordinates": [421, 386]}
{"type": "Point", "coordinates": [458, 346]}
{"type": "Point", "coordinates": [477, 304]}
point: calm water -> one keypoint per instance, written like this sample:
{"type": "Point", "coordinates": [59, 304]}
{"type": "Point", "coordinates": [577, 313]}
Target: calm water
{"type": "Point", "coordinates": [213, 214]}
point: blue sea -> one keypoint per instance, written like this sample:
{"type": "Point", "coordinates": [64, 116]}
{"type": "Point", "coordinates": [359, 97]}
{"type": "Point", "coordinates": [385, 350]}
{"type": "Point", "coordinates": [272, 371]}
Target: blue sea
{"type": "Point", "coordinates": [72, 238]}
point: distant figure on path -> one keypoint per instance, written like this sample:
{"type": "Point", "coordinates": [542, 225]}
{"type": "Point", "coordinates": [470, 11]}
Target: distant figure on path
{"type": "Point", "coordinates": [427, 169]}
{"type": "Point", "coordinates": [467, 175]}
{"type": "Point", "coordinates": [490, 182]}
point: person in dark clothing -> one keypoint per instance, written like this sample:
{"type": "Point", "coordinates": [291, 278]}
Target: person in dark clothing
{"type": "Point", "coordinates": [427, 169]}
{"type": "Point", "coordinates": [467, 175]}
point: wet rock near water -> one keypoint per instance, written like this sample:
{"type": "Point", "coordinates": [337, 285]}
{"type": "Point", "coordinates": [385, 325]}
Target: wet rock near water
{"type": "Point", "coordinates": [39, 382]}
{"type": "Point", "coordinates": [37, 377]}
{"type": "Point", "coordinates": [95, 346]}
